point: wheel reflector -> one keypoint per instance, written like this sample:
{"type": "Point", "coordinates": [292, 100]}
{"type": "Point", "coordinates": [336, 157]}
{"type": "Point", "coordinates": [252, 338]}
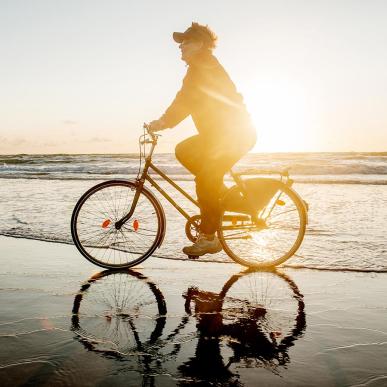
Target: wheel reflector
{"type": "Point", "coordinates": [106, 223]}
{"type": "Point", "coordinates": [280, 202]}
{"type": "Point", "coordinates": [136, 225]}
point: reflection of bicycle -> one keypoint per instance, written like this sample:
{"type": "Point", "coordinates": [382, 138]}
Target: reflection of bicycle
{"type": "Point", "coordinates": [118, 224]}
{"type": "Point", "coordinates": [252, 322]}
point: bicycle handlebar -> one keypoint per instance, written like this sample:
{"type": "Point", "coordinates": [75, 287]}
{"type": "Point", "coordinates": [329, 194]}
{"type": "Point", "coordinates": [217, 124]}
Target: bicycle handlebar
{"type": "Point", "coordinates": [151, 133]}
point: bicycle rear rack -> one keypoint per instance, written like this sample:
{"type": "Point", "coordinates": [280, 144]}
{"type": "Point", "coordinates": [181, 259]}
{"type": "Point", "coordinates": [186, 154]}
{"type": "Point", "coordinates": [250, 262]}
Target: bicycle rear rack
{"type": "Point", "coordinates": [253, 171]}
{"type": "Point", "coordinates": [283, 173]}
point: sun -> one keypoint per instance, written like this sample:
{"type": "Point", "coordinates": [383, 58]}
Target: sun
{"type": "Point", "coordinates": [279, 110]}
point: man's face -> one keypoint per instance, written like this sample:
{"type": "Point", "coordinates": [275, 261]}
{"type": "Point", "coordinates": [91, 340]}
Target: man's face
{"type": "Point", "coordinates": [189, 48]}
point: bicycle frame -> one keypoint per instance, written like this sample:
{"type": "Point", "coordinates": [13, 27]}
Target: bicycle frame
{"type": "Point", "coordinates": [146, 177]}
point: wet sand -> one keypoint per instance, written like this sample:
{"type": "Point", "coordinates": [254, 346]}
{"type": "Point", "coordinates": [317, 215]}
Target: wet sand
{"type": "Point", "coordinates": [170, 322]}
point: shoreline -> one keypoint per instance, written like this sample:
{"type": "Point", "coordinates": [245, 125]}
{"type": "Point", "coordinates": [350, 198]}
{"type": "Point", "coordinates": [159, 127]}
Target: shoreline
{"type": "Point", "coordinates": [204, 260]}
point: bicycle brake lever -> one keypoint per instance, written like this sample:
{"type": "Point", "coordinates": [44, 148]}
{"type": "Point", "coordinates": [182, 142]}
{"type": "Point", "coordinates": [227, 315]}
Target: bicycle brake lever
{"type": "Point", "coordinates": [150, 131]}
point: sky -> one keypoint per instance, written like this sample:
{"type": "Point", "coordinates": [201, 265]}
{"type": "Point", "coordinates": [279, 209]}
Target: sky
{"type": "Point", "coordinates": [81, 76]}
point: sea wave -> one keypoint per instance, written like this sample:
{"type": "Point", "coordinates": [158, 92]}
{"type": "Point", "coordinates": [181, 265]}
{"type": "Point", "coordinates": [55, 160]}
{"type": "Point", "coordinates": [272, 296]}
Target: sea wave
{"type": "Point", "coordinates": [317, 168]}
{"type": "Point", "coordinates": [329, 180]}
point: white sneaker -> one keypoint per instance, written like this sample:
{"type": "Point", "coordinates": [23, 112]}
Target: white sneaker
{"type": "Point", "coordinates": [203, 245]}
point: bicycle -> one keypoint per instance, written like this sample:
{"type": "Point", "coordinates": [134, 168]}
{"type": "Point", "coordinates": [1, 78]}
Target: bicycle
{"type": "Point", "coordinates": [120, 223]}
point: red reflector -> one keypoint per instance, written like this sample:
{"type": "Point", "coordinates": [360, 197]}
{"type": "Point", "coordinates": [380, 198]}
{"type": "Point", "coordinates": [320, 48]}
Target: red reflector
{"type": "Point", "coordinates": [106, 223]}
{"type": "Point", "coordinates": [136, 225]}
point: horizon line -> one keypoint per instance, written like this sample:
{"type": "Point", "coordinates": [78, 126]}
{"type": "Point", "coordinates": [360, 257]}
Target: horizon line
{"type": "Point", "coordinates": [170, 153]}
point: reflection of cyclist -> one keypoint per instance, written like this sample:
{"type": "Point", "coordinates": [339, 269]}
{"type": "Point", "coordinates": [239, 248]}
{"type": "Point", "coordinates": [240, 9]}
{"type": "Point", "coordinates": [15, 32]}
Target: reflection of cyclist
{"type": "Point", "coordinates": [207, 363]}
{"type": "Point", "coordinates": [225, 130]}
{"type": "Point", "coordinates": [241, 331]}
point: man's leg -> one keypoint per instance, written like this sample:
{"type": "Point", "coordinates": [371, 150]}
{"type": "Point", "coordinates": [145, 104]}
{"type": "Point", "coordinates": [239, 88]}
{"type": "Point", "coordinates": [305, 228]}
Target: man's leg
{"type": "Point", "coordinates": [193, 154]}
{"type": "Point", "coordinates": [190, 153]}
{"type": "Point", "coordinates": [209, 182]}
{"type": "Point", "coordinates": [197, 156]}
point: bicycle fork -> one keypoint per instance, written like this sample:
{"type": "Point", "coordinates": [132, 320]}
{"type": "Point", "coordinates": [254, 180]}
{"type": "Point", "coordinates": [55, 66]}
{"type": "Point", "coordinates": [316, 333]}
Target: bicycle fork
{"type": "Point", "coordinates": [123, 220]}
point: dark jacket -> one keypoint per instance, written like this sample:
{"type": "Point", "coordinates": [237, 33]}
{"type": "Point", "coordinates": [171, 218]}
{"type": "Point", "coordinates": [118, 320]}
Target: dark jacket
{"type": "Point", "coordinates": [210, 97]}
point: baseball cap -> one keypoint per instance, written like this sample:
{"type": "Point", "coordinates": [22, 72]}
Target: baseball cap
{"type": "Point", "coordinates": [197, 32]}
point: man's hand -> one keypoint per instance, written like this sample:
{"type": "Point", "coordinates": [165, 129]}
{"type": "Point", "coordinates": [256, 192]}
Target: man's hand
{"type": "Point", "coordinates": [157, 125]}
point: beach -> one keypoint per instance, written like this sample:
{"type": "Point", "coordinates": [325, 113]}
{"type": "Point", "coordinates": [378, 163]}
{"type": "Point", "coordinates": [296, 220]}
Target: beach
{"type": "Point", "coordinates": [320, 319]}
{"type": "Point", "coordinates": [174, 322]}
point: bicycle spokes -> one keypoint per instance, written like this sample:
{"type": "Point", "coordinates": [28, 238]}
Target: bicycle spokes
{"type": "Point", "coordinates": [269, 236]}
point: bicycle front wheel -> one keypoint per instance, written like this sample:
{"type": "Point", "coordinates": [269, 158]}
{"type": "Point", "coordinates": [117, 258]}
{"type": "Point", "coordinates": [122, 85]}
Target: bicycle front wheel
{"type": "Point", "coordinates": [269, 236]}
{"type": "Point", "coordinates": [117, 312]}
{"type": "Point", "coordinates": [93, 225]}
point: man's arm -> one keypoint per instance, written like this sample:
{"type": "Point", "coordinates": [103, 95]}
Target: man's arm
{"type": "Point", "coordinates": [179, 108]}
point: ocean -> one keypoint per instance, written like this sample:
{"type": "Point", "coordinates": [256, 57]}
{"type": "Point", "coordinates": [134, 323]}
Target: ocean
{"type": "Point", "coordinates": [346, 193]}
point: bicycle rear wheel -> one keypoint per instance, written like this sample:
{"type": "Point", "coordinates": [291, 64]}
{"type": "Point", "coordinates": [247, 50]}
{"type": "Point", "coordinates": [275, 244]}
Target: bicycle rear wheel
{"type": "Point", "coordinates": [268, 303]}
{"type": "Point", "coordinates": [270, 235]}
{"type": "Point", "coordinates": [93, 225]}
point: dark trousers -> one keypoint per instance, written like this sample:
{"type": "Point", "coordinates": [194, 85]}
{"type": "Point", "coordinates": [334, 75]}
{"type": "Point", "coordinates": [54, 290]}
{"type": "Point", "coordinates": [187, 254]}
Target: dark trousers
{"type": "Point", "coordinates": [203, 159]}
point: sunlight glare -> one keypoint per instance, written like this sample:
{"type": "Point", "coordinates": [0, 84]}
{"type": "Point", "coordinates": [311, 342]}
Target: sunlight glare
{"type": "Point", "coordinates": [280, 113]}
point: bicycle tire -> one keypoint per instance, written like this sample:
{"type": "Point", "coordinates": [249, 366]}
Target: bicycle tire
{"type": "Point", "coordinates": [271, 310]}
{"type": "Point", "coordinates": [95, 218]}
{"type": "Point", "coordinates": [122, 294]}
{"type": "Point", "coordinates": [247, 255]}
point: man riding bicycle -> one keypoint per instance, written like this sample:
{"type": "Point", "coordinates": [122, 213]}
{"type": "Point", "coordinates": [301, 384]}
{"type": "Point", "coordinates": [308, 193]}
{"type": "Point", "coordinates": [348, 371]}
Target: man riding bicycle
{"type": "Point", "coordinates": [225, 132]}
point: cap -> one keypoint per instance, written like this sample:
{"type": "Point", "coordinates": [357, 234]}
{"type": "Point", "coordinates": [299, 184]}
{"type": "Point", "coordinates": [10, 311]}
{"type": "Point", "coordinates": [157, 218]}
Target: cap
{"type": "Point", "coordinates": [197, 32]}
